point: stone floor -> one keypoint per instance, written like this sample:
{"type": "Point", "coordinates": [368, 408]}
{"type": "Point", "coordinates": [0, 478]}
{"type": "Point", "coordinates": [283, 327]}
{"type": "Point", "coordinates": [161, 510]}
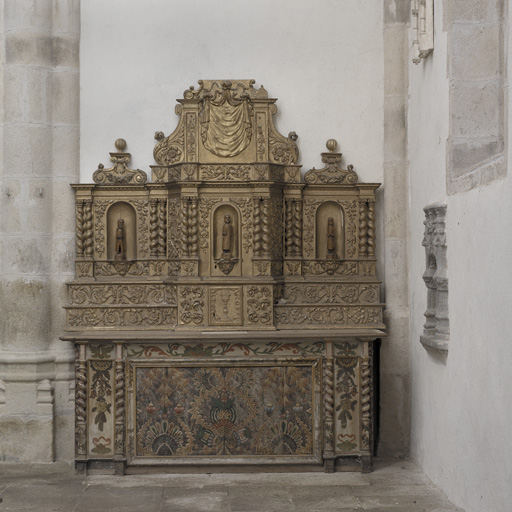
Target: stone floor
{"type": "Point", "coordinates": [394, 486]}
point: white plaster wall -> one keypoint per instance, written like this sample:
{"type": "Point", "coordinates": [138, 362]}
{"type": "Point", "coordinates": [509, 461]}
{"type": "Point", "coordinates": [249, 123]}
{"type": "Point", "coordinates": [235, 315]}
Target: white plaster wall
{"type": "Point", "coordinates": [461, 413]}
{"type": "Point", "coordinates": [323, 60]}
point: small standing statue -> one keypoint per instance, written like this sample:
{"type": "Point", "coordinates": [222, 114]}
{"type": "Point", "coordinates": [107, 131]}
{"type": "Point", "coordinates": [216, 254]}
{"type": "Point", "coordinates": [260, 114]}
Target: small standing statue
{"type": "Point", "coordinates": [331, 239]}
{"type": "Point", "coordinates": [227, 235]}
{"type": "Point", "coordinates": [120, 250]}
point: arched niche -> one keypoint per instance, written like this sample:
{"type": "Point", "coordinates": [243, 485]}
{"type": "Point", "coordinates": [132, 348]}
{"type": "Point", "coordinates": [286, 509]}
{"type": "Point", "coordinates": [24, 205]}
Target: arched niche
{"type": "Point", "coordinates": [219, 220]}
{"type": "Point", "coordinates": [125, 211]}
{"type": "Point", "coordinates": [325, 211]}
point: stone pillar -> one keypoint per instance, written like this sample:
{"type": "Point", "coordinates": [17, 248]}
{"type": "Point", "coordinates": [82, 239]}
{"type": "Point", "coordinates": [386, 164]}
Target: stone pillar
{"type": "Point", "coordinates": [394, 367]}
{"type": "Point", "coordinates": [39, 134]}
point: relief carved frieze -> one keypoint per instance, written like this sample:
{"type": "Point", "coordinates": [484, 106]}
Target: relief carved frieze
{"type": "Point", "coordinates": [122, 317]}
{"type": "Point", "coordinates": [331, 293]}
{"type": "Point", "coordinates": [330, 267]}
{"type": "Point", "coordinates": [328, 315]}
{"type": "Point", "coordinates": [103, 294]}
{"type": "Point", "coordinates": [121, 268]}
{"type": "Point", "coordinates": [225, 172]}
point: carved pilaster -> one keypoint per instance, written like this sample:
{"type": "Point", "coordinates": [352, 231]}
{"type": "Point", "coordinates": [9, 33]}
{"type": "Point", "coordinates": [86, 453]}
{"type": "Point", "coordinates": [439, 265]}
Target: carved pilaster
{"type": "Point", "coordinates": [153, 228]}
{"type": "Point", "coordinates": [363, 228]}
{"type": "Point", "coordinates": [88, 232]}
{"type": "Point", "coordinates": [80, 403]}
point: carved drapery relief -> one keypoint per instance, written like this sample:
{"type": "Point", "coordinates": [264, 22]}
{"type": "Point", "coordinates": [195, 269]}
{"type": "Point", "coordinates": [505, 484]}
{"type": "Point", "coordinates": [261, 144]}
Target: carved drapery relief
{"type": "Point", "coordinates": [436, 331]}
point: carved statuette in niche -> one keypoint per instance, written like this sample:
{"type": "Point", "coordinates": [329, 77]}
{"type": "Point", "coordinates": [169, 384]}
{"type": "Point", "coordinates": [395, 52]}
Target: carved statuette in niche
{"type": "Point", "coordinates": [120, 251]}
{"type": "Point", "coordinates": [227, 235]}
{"type": "Point", "coordinates": [331, 239]}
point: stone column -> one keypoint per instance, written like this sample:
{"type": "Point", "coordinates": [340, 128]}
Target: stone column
{"type": "Point", "coordinates": [394, 360]}
{"type": "Point", "coordinates": [39, 80]}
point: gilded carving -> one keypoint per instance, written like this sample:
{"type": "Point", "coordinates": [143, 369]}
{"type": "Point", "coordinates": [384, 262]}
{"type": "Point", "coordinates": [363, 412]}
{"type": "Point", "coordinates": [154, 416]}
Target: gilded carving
{"type": "Point", "coordinates": [191, 137]}
{"type": "Point", "coordinates": [84, 269]}
{"type": "Point", "coordinates": [226, 127]}
{"type": "Point", "coordinates": [225, 172]}
{"type": "Point", "coordinates": [245, 205]}
{"type": "Point", "coordinates": [142, 227]}
{"type": "Point", "coordinates": [225, 306]}
{"type": "Point", "coordinates": [80, 407]}
{"type": "Point", "coordinates": [259, 304]}
{"type": "Point", "coordinates": [162, 227]}
{"type": "Point", "coordinates": [330, 294]}
{"type": "Point", "coordinates": [121, 268]}
{"type": "Point", "coordinates": [261, 139]}
{"type": "Point", "coordinates": [350, 209]}
{"type": "Point", "coordinates": [310, 207]}
{"type": "Point", "coordinates": [153, 228]}
{"type": "Point", "coordinates": [332, 173]}
{"type": "Point", "coordinates": [205, 208]}
{"type": "Point", "coordinates": [283, 151]}
{"type": "Point", "coordinates": [100, 207]}
{"type": "Point", "coordinates": [169, 150]}
{"type": "Point", "coordinates": [366, 392]}
{"type": "Point", "coordinates": [80, 233]}
{"type": "Point", "coordinates": [119, 173]}
{"type": "Point", "coordinates": [173, 213]}
{"type": "Point", "coordinates": [191, 305]}
{"type": "Point", "coordinates": [330, 267]}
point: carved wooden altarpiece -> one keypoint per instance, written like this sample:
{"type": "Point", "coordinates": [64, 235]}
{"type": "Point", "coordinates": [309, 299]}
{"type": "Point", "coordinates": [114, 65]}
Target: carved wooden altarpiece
{"type": "Point", "coordinates": [225, 312]}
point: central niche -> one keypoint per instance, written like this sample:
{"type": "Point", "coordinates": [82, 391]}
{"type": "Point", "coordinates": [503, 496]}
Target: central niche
{"type": "Point", "coordinates": [226, 241]}
{"type": "Point", "coordinates": [124, 212]}
{"type": "Point", "coordinates": [330, 232]}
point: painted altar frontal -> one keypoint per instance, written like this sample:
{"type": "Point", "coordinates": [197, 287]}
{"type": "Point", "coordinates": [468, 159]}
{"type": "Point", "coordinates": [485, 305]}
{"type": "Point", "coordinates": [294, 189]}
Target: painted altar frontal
{"type": "Point", "coordinates": [225, 312]}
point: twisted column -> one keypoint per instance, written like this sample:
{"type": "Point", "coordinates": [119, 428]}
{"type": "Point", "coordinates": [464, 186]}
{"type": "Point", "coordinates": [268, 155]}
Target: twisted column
{"type": "Point", "coordinates": [297, 227]}
{"type": "Point", "coordinates": [362, 228]}
{"type": "Point", "coordinates": [80, 229]}
{"type": "Point", "coordinates": [329, 404]}
{"type": "Point", "coordinates": [153, 228]}
{"type": "Point", "coordinates": [162, 227]}
{"type": "Point", "coordinates": [119, 401]}
{"type": "Point", "coordinates": [88, 232]}
{"type": "Point", "coordinates": [371, 228]}
{"type": "Point", "coordinates": [365, 403]}
{"type": "Point", "coordinates": [288, 227]}
{"type": "Point", "coordinates": [184, 228]}
{"type": "Point", "coordinates": [265, 228]}
{"type": "Point", "coordinates": [193, 234]}
{"type": "Point", "coordinates": [257, 227]}
{"type": "Point", "coordinates": [80, 403]}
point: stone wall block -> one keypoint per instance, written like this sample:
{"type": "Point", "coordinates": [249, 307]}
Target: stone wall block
{"type": "Point", "coordinates": [59, 293]}
{"type": "Point", "coordinates": [66, 16]}
{"type": "Point", "coordinates": [394, 415]}
{"type": "Point", "coordinates": [467, 155]}
{"type": "Point", "coordinates": [32, 14]}
{"type": "Point", "coordinates": [397, 11]}
{"type": "Point", "coordinates": [23, 331]}
{"type": "Point", "coordinates": [38, 206]}
{"type": "Point", "coordinates": [14, 89]}
{"type": "Point", "coordinates": [476, 51]}
{"type": "Point", "coordinates": [65, 100]}
{"type": "Point", "coordinates": [394, 351]}
{"type": "Point", "coordinates": [35, 95]}
{"type": "Point", "coordinates": [63, 203]}
{"type": "Point", "coordinates": [476, 11]}
{"type": "Point", "coordinates": [65, 50]}
{"type": "Point", "coordinates": [28, 49]}
{"type": "Point", "coordinates": [63, 254]}
{"type": "Point", "coordinates": [395, 129]}
{"type": "Point", "coordinates": [26, 150]}
{"type": "Point", "coordinates": [29, 255]}
{"type": "Point", "coordinates": [11, 205]}
{"type": "Point", "coordinates": [396, 273]}
{"type": "Point", "coordinates": [475, 110]}
{"type": "Point", "coordinates": [396, 53]}
{"type": "Point", "coordinates": [66, 154]}
{"type": "Point", "coordinates": [395, 200]}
